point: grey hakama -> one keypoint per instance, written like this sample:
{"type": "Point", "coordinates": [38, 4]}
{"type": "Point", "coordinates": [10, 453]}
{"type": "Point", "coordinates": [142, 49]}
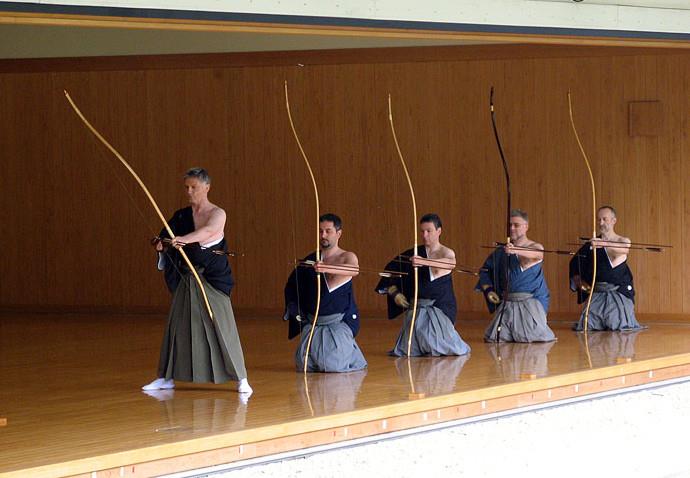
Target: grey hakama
{"type": "Point", "coordinates": [434, 333]}
{"type": "Point", "coordinates": [196, 349]}
{"type": "Point", "coordinates": [333, 347]}
{"type": "Point", "coordinates": [522, 319]}
{"type": "Point", "coordinates": [610, 310]}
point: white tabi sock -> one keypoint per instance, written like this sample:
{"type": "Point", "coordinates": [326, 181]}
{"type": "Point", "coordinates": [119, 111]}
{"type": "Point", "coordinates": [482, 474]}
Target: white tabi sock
{"type": "Point", "coordinates": [243, 386]}
{"type": "Point", "coordinates": [159, 384]}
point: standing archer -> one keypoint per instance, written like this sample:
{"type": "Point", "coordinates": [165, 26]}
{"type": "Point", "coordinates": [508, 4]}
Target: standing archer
{"type": "Point", "coordinates": [197, 347]}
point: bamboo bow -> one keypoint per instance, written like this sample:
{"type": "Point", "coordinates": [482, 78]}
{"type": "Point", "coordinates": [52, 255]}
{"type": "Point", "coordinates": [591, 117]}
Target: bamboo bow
{"type": "Point", "coordinates": [508, 202]}
{"type": "Point", "coordinates": [148, 195]}
{"type": "Point", "coordinates": [414, 226]}
{"type": "Point", "coordinates": [318, 215]}
{"type": "Point", "coordinates": [594, 212]}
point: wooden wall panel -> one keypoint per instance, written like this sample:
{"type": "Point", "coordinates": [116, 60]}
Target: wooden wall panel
{"type": "Point", "coordinates": [77, 226]}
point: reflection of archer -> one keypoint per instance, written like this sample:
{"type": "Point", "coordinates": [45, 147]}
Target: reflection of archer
{"type": "Point", "coordinates": [517, 361]}
{"type": "Point", "coordinates": [183, 413]}
{"type": "Point", "coordinates": [430, 375]}
{"type": "Point", "coordinates": [329, 393]}
{"type": "Point", "coordinates": [609, 348]}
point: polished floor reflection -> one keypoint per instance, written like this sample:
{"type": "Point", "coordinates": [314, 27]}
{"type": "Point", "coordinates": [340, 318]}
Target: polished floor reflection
{"type": "Point", "coordinates": [70, 384]}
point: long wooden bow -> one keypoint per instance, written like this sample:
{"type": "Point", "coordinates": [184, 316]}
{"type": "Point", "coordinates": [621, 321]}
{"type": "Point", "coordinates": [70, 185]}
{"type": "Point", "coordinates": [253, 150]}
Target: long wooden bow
{"type": "Point", "coordinates": [508, 207]}
{"type": "Point", "coordinates": [594, 212]}
{"type": "Point", "coordinates": [148, 195]}
{"type": "Point", "coordinates": [414, 226]}
{"type": "Point", "coordinates": [318, 241]}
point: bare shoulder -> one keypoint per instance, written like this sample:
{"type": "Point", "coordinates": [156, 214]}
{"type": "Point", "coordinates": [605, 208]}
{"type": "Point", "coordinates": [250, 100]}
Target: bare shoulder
{"type": "Point", "coordinates": [217, 212]}
{"type": "Point", "coordinates": [349, 257]}
{"type": "Point", "coordinates": [215, 218]}
{"type": "Point", "coordinates": [536, 245]}
{"type": "Point", "coordinates": [447, 252]}
{"type": "Point", "coordinates": [624, 239]}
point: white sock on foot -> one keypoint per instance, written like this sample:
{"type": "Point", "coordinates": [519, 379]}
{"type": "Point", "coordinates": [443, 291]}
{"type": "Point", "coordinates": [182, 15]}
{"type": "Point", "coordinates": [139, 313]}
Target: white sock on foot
{"type": "Point", "coordinates": [159, 384]}
{"type": "Point", "coordinates": [243, 386]}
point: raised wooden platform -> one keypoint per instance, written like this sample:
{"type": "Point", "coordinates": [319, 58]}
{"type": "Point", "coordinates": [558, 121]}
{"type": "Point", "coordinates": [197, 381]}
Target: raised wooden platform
{"type": "Point", "coordinates": [69, 385]}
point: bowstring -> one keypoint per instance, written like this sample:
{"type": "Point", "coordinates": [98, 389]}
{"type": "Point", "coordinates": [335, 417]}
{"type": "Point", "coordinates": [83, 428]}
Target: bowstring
{"type": "Point", "coordinates": [397, 232]}
{"type": "Point", "coordinates": [294, 244]}
{"type": "Point", "coordinates": [143, 217]}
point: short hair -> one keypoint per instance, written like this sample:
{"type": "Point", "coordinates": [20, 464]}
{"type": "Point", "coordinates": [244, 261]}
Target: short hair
{"type": "Point", "coordinates": [198, 173]}
{"type": "Point", "coordinates": [431, 217]}
{"type": "Point", "coordinates": [335, 219]}
{"type": "Point", "coordinates": [519, 213]}
{"type": "Point", "coordinates": [610, 208]}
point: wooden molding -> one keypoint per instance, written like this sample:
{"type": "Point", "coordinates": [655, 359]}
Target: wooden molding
{"type": "Point", "coordinates": [97, 21]}
{"type": "Point", "coordinates": [319, 57]}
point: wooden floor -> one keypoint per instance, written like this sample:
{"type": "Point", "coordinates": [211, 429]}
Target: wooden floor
{"type": "Point", "coordinates": [70, 390]}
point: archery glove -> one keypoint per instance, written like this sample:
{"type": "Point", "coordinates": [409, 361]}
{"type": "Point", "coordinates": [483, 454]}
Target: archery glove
{"type": "Point", "coordinates": [491, 295]}
{"type": "Point", "coordinates": [398, 297]}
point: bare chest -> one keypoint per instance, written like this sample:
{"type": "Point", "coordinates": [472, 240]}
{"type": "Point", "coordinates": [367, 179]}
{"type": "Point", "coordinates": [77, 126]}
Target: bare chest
{"type": "Point", "coordinates": [201, 219]}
